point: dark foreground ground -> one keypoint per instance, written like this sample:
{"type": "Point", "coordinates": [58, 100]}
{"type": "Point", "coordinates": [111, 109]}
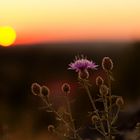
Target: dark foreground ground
{"type": "Point", "coordinates": [20, 66]}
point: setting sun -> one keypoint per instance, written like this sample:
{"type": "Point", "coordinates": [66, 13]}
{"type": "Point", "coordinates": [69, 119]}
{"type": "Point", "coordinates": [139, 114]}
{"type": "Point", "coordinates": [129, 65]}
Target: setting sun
{"type": "Point", "coordinates": [7, 36]}
{"type": "Point", "coordinates": [40, 21]}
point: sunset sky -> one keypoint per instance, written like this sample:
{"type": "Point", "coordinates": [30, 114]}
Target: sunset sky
{"type": "Point", "coordinates": [38, 21]}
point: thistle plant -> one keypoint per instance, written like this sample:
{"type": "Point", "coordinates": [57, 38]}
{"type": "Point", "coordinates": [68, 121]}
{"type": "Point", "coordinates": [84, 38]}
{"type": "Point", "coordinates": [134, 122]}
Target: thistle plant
{"type": "Point", "coordinates": [65, 118]}
{"type": "Point", "coordinates": [103, 119]}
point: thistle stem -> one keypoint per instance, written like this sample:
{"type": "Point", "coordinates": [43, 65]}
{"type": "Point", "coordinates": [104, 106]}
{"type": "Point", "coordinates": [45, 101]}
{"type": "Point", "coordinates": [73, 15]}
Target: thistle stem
{"type": "Point", "coordinates": [94, 108]}
{"type": "Point", "coordinates": [61, 118]}
{"type": "Point", "coordinates": [116, 116]}
{"type": "Point", "coordinates": [110, 99]}
{"type": "Point", "coordinates": [70, 114]}
{"type": "Point", "coordinates": [110, 117]}
{"type": "Point", "coordinates": [99, 130]}
{"type": "Point", "coordinates": [107, 116]}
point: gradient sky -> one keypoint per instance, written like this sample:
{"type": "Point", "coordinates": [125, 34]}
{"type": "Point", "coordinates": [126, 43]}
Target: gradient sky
{"type": "Point", "coordinates": [71, 20]}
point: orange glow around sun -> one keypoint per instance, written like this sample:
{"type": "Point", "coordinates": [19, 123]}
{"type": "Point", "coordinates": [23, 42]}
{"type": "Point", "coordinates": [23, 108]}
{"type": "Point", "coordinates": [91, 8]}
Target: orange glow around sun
{"type": "Point", "coordinates": [7, 36]}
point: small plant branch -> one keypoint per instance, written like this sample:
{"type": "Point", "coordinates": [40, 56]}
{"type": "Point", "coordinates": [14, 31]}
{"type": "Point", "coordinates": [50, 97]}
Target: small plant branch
{"type": "Point", "coordinates": [70, 115]}
{"type": "Point", "coordinates": [96, 127]}
{"type": "Point", "coordinates": [103, 119]}
{"type": "Point", "coordinates": [108, 108]}
{"type": "Point", "coordinates": [116, 116]}
{"type": "Point", "coordinates": [76, 135]}
{"type": "Point", "coordinates": [107, 114]}
{"type": "Point", "coordinates": [110, 96]}
{"type": "Point", "coordinates": [95, 109]}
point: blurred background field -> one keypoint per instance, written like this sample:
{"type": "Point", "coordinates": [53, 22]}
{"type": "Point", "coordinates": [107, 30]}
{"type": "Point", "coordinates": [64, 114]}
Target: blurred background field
{"type": "Point", "coordinates": [47, 64]}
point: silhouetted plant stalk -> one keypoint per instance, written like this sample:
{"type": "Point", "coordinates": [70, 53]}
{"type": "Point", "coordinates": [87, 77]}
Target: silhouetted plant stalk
{"type": "Point", "coordinates": [107, 66]}
{"type": "Point", "coordinates": [103, 120]}
{"type": "Point", "coordinates": [43, 92]}
{"type": "Point", "coordinates": [101, 128]}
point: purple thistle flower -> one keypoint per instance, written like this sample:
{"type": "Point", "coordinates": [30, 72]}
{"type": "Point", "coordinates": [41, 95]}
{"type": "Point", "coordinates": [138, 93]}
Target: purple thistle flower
{"type": "Point", "coordinates": [81, 64]}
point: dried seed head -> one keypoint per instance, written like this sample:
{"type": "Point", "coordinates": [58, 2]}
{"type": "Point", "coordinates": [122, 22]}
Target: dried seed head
{"type": "Point", "coordinates": [51, 128]}
{"type": "Point", "coordinates": [99, 81]}
{"type": "Point", "coordinates": [36, 89]}
{"type": "Point", "coordinates": [66, 88]}
{"type": "Point", "coordinates": [83, 74]}
{"type": "Point", "coordinates": [103, 90]}
{"type": "Point", "coordinates": [107, 64]}
{"type": "Point", "coordinates": [94, 119]}
{"type": "Point", "coordinates": [119, 101]}
{"type": "Point", "coordinates": [45, 91]}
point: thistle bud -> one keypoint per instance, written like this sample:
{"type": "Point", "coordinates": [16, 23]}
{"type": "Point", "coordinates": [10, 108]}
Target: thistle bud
{"type": "Point", "coordinates": [103, 90]}
{"type": "Point", "coordinates": [36, 89]}
{"type": "Point", "coordinates": [107, 64]}
{"type": "Point", "coordinates": [51, 128]}
{"type": "Point", "coordinates": [45, 91]}
{"type": "Point", "coordinates": [66, 88]}
{"type": "Point", "coordinates": [119, 101]}
{"type": "Point", "coordinates": [99, 81]}
{"type": "Point", "coordinates": [83, 74]}
{"type": "Point", "coordinates": [94, 119]}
